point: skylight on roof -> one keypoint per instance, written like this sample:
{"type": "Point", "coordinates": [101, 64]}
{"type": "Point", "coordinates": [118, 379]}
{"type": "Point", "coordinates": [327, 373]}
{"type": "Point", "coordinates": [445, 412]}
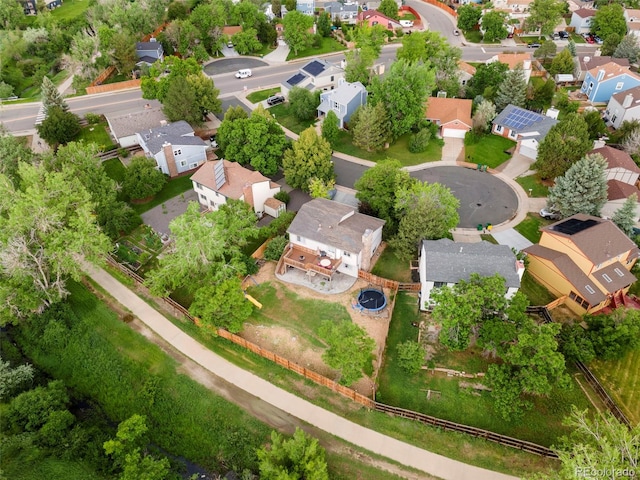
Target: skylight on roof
{"type": "Point", "coordinates": [589, 289]}
{"type": "Point", "coordinates": [619, 272]}
{"type": "Point", "coordinates": [607, 278]}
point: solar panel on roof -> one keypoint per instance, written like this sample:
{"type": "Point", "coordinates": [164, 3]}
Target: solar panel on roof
{"type": "Point", "coordinates": [573, 226]}
{"type": "Point", "coordinates": [296, 79]}
{"type": "Point", "coordinates": [518, 119]}
{"type": "Point", "coordinates": [314, 68]}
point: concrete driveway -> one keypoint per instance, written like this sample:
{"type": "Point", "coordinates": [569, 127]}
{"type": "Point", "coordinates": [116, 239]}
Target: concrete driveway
{"type": "Point", "coordinates": [453, 150]}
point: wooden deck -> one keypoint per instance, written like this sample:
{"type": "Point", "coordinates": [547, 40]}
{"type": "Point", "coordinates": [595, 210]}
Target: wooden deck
{"type": "Point", "coordinates": [309, 261]}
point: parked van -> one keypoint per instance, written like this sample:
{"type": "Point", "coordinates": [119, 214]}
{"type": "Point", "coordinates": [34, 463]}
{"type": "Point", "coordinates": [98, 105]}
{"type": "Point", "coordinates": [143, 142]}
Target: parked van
{"type": "Point", "coordinates": [243, 73]}
{"type": "Point", "coordinates": [406, 23]}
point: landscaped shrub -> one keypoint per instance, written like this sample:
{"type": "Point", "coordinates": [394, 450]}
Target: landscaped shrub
{"type": "Point", "coordinates": [279, 225]}
{"type": "Point", "coordinates": [283, 197]}
{"type": "Point", "coordinates": [143, 179]}
{"type": "Point", "coordinates": [123, 152]}
{"type": "Point", "coordinates": [275, 248]}
{"type": "Point", "coordinates": [420, 141]}
{"type": "Point", "coordinates": [93, 118]}
{"type": "Point", "coordinates": [410, 356]}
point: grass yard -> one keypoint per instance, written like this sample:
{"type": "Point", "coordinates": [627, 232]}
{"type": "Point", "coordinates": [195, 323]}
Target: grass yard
{"type": "Point", "coordinates": [473, 36]}
{"type": "Point", "coordinates": [259, 96]}
{"type": "Point", "coordinates": [398, 150]}
{"type": "Point", "coordinates": [33, 464]}
{"type": "Point", "coordinates": [328, 45]}
{"type": "Point", "coordinates": [390, 266]}
{"type": "Point", "coordinates": [621, 378]}
{"type": "Point", "coordinates": [458, 401]}
{"type": "Point", "coordinates": [70, 10]}
{"type": "Point", "coordinates": [577, 38]}
{"type": "Point", "coordinates": [489, 238]}
{"type": "Point", "coordinates": [172, 188]}
{"type": "Point", "coordinates": [530, 227]}
{"type": "Point", "coordinates": [97, 134]}
{"type": "Point", "coordinates": [533, 183]}
{"type": "Point", "coordinates": [536, 293]}
{"type": "Point", "coordinates": [487, 150]}
{"type": "Point", "coordinates": [115, 169]}
{"type": "Point", "coordinates": [288, 120]}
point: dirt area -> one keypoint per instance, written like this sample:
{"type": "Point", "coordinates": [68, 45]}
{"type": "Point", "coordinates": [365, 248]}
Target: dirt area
{"type": "Point", "coordinates": [280, 340]}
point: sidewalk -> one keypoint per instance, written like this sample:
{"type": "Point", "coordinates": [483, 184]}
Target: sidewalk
{"type": "Point", "coordinates": [375, 442]}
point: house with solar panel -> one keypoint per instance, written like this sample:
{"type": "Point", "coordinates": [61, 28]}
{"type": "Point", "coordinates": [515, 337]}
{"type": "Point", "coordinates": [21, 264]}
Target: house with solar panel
{"type": "Point", "coordinates": [216, 182]}
{"type": "Point", "coordinates": [174, 147]}
{"type": "Point", "coordinates": [316, 74]}
{"type": "Point", "coordinates": [586, 262]}
{"type": "Point", "coordinates": [525, 127]}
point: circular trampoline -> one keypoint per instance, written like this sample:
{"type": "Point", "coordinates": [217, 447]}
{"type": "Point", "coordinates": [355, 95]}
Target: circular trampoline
{"type": "Point", "coordinates": [372, 300]}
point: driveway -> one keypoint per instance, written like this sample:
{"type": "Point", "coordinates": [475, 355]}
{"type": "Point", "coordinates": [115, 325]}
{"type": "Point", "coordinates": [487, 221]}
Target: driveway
{"type": "Point", "coordinates": [453, 150]}
{"type": "Point", "coordinates": [484, 198]}
{"type": "Point", "coordinates": [232, 64]}
{"type": "Point", "coordinates": [280, 54]}
{"type": "Point", "coordinates": [512, 238]}
{"type": "Point", "coordinates": [159, 217]}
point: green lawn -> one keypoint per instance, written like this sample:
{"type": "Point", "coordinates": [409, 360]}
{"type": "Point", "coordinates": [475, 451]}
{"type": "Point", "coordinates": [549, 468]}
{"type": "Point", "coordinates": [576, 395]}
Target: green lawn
{"type": "Point", "coordinates": [489, 238]}
{"type": "Point", "coordinates": [287, 120]}
{"type": "Point", "coordinates": [536, 293]}
{"type": "Point", "coordinates": [390, 266]}
{"type": "Point", "coordinates": [458, 402]}
{"type": "Point", "coordinates": [398, 150]}
{"type": "Point", "coordinates": [97, 134]}
{"type": "Point", "coordinates": [328, 45]}
{"type": "Point", "coordinates": [530, 226]}
{"type": "Point", "coordinates": [533, 183]}
{"type": "Point", "coordinates": [487, 150]}
{"type": "Point", "coordinates": [621, 378]}
{"type": "Point", "coordinates": [261, 95]}
{"type": "Point", "coordinates": [172, 188]}
{"type": "Point", "coordinates": [473, 36]}
{"type": "Point", "coordinates": [70, 10]}
{"type": "Point", "coordinates": [33, 464]}
{"type": "Point", "coordinates": [577, 38]}
{"type": "Point", "coordinates": [115, 169]}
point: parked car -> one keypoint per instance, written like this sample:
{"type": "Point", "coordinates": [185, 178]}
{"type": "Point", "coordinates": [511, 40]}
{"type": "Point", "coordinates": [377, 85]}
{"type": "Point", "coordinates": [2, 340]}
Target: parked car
{"type": "Point", "coordinates": [564, 35]}
{"type": "Point", "coordinates": [555, 36]}
{"type": "Point", "coordinates": [590, 40]}
{"type": "Point", "coordinates": [598, 40]}
{"type": "Point", "coordinates": [549, 214]}
{"type": "Point", "coordinates": [534, 45]}
{"type": "Point", "coordinates": [406, 23]}
{"type": "Point", "coordinates": [243, 73]}
{"type": "Point", "coordinates": [275, 100]}
{"type": "Point", "coordinates": [230, 44]}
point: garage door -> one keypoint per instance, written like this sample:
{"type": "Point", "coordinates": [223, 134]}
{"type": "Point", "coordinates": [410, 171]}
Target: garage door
{"type": "Point", "coordinates": [453, 133]}
{"type": "Point", "coordinates": [528, 152]}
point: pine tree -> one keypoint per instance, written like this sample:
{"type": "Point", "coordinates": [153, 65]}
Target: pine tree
{"type": "Point", "coordinates": [51, 96]}
{"type": "Point", "coordinates": [583, 189]}
{"type": "Point", "coordinates": [625, 216]}
{"type": "Point", "coordinates": [572, 48]}
{"type": "Point", "coordinates": [628, 48]}
{"type": "Point", "coordinates": [372, 130]}
{"type": "Point", "coordinates": [513, 89]}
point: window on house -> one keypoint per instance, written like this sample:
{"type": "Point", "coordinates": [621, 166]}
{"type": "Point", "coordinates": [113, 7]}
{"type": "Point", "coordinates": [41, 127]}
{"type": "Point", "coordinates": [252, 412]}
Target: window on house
{"type": "Point", "coordinates": [499, 128]}
{"type": "Point", "coordinates": [512, 134]}
{"type": "Point", "coordinates": [619, 85]}
{"type": "Point", "coordinates": [464, 82]}
{"type": "Point", "coordinates": [177, 152]}
{"type": "Point", "coordinates": [439, 284]}
{"type": "Point", "coordinates": [579, 300]}
{"type": "Point", "coordinates": [183, 163]}
{"type": "Point", "coordinates": [298, 239]}
{"type": "Point", "coordinates": [346, 254]}
{"type": "Point", "coordinates": [193, 165]}
{"type": "Point", "coordinates": [203, 197]}
{"type": "Point", "coordinates": [590, 84]}
{"type": "Point", "coordinates": [198, 186]}
{"type": "Point", "coordinates": [613, 119]}
{"type": "Point", "coordinates": [332, 78]}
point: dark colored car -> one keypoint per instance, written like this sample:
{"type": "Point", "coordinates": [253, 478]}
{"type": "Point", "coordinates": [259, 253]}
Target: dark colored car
{"type": "Point", "coordinates": [563, 34]}
{"type": "Point", "coordinates": [275, 100]}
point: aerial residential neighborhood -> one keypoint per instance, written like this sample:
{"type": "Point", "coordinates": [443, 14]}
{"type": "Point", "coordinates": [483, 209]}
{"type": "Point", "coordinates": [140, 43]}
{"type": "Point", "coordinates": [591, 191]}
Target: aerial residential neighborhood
{"type": "Point", "coordinates": [319, 240]}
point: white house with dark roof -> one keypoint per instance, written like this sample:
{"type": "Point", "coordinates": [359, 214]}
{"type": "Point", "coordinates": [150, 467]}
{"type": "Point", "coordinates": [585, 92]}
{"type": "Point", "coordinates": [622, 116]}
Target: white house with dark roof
{"type": "Point", "coordinates": [216, 182]}
{"type": "Point", "coordinates": [149, 52]}
{"type": "Point", "coordinates": [623, 106]}
{"type": "Point", "coordinates": [581, 19]}
{"type": "Point", "coordinates": [525, 127]}
{"type": "Point", "coordinates": [445, 263]}
{"type": "Point", "coordinates": [336, 232]}
{"type": "Point", "coordinates": [124, 127]}
{"type": "Point", "coordinates": [621, 173]}
{"type": "Point", "coordinates": [343, 101]}
{"type": "Point", "coordinates": [174, 147]}
{"type": "Point", "coordinates": [316, 74]}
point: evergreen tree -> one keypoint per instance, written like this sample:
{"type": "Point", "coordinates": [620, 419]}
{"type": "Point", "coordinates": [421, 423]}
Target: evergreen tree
{"type": "Point", "coordinates": [60, 127]}
{"type": "Point", "coordinates": [583, 189]}
{"type": "Point", "coordinates": [372, 130]}
{"type": "Point", "coordinates": [181, 102]}
{"type": "Point", "coordinates": [51, 97]}
{"type": "Point", "coordinates": [572, 48]}
{"type": "Point", "coordinates": [625, 216]}
{"type": "Point", "coordinates": [513, 89]}
{"type": "Point", "coordinates": [628, 48]}
{"type": "Point", "coordinates": [330, 129]}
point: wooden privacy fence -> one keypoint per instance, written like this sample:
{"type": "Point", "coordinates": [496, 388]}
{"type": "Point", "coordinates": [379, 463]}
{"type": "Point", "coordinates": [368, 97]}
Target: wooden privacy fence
{"type": "Point", "coordinates": [106, 73]}
{"type": "Point", "coordinates": [442, 6]}
{"type": "Point", "coordinates": [112, 87]}
{"type": "Point", "coordinates": [376, 280]}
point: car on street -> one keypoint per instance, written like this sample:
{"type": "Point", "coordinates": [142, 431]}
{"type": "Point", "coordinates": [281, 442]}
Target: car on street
{"type": "Point", "coordinates": [275, 100]}
{"type": "Point", "coordinates": [534, 45]}
{"type": "Point", "coordinates": [549, 214]}
{"type": "Point", "coordinates": [244, 73]}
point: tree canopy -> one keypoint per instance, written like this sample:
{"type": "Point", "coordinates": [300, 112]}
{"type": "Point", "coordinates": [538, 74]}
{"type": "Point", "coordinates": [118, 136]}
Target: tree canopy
{"type": "Point", "coordinates": [372, 130]}
{"type": "Point", "coordinates": [309, 157]}
{"type": "Point", "coordinates": [493, 26]}
{"type": "Point", "coordinates": [468, 16]}
{"type": "Point", "coordinates": [143, 179]}
{"type": "Point", "coordinates": [486, 80]}
{"type": "Point", "coordinates": [296, 30]}
{"type": "Point", "coordinates": [609, 20]}
{"type": "Point", "coordinates": [297, 458]}
{"type": "Point", "coordinates": [625, 216]}
{"type": "Point", "coordinates": [544, 15]}
{"type": "Point", "coordinates": [59, 127]}
{"type": "Point", "coordinates": [512, 90]}
{"type": "Point", "coordinates": [349, 349]}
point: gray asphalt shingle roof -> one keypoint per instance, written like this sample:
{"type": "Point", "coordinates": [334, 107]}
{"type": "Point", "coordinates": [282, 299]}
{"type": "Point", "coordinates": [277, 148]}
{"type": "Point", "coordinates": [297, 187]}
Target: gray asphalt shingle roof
{"type": "Point", "coordinates": [537, 129]}
{"type": "Point", "coordinates": [176, 133]}
{"type": "Point", "coordinates": [448, 261]}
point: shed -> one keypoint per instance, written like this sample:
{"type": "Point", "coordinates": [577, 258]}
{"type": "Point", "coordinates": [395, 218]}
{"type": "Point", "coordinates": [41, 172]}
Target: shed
{"type": "Point", "coordinates": [564, 78]}
{"type": "Point", "coordinates": [274, 207]}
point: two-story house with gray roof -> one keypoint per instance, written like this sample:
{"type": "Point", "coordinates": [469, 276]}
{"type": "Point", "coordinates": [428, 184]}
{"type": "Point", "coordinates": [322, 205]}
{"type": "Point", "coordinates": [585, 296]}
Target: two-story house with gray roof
{"type": "Point", "coordinates": [346, 12]}
{"type": "Point", "coordinates": [316, 74]}
{"type": "Point", "coordinates": [174, 147]}
{"type": "Point", "coordinates": [124, 127]}
{"type": "Point", "coordinates": [445, 263]}
{"type": "Point", "coordinates": [149, 52]}
{"type": "Point", "coordinates": [343, 101]}
{"type": "Point", "coordinates": [525, 127]}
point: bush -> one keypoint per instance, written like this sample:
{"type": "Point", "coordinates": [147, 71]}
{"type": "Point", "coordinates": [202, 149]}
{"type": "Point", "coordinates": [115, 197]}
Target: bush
{"type": "Point", "coordinates": [316, 40]}
{"type": "Point", "coordinates": [123, 152]}
{"type": "Point", "coordinates": [419, 141]}
{"type": "Point", "coordinates": [279, 225]}
{"type": "Point", "coordinates": [410, 356]}
{"type": "Point", "coordinates": [143, 179]}
{"type": "Point", "coordinates": [283, 197]}
{"type": "Point", "coordinates": [93, 118]}
{"type": "Point", "coordinates": [275, 248]}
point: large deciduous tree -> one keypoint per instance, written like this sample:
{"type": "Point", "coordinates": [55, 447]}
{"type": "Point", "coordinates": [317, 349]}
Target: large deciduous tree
{"type": "Point", "coordinates": [389, 8]}
{"type": "Point", "coordinates": [296, 458]}
{"type": "Point", "coordinates": [304, 103]}
{"type": "Point", "coordinates": [582, 189]}
{"type": "Point", "coordinates": [47, 228]}
{"type": "Point", "coordinates": [609, 20]}
{"type": "Point", "coordinates": [544, 15]}
{"type": "Point", "coordinates": [143, 179]}
{"type": "Point", "coordinates": [493, 26]}
{"type": "Point", "coordinates": [468, 16]}
{"type": "Point", "coordinates": [485, 112]}
{"type": "Point", "coordinates": [616, 334]}
{"type": "Point", "coordinates": [181, 102]}
{"type": "Point", "coordinates": [562, 63]}
{"type": "Point", "coordinates": [246, 41]}
{"type": "Point", "coordinates": [372, 131]}
{"type": "Point", "coordinates": [12, 153]}
{"type": "Point", "coordinates": [547, 49]}
{"type": "Point", "coordinates": [512, 90]}
{"type": "Point", "coordinates": [309, 157]}
{"type": "Point", "coordinates": [565, 144]}
{"type": "Point", "coordinates": [403, 92]}
{"type": "Point", "coordinates": [296, 30]}
{"type": "Point", "coordinates": [486, 80]}
{"type": "Point", "coordinates": [427, 211]}
{"type": "Point", "coordinates": [349, 349]}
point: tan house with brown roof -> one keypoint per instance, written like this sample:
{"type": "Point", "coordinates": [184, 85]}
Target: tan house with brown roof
{"type": "Point", "coordinates": [512, 60]}
{"type": "Point", "coordinates": [452, 115]}
{"type": "Point", "coordinates": [585, 259]}
{"type": "Point", "coordinates": [215, 182]}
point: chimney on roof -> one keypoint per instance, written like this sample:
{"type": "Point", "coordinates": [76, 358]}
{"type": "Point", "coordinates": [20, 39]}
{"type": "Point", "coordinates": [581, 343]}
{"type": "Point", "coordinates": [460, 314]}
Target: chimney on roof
{"type": "Point", "coordinates": [627, 101]}
{"type": "Point", "coordinates": [163, 123]}
{"type": "Point", "coordinates": [587, 59]}
{"type": "Point", "coordinates": [152, 40]}
{"type": "Point", "coordinates": [520, 268]}
{"type": "Point", "coordinates": [553, 113]}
